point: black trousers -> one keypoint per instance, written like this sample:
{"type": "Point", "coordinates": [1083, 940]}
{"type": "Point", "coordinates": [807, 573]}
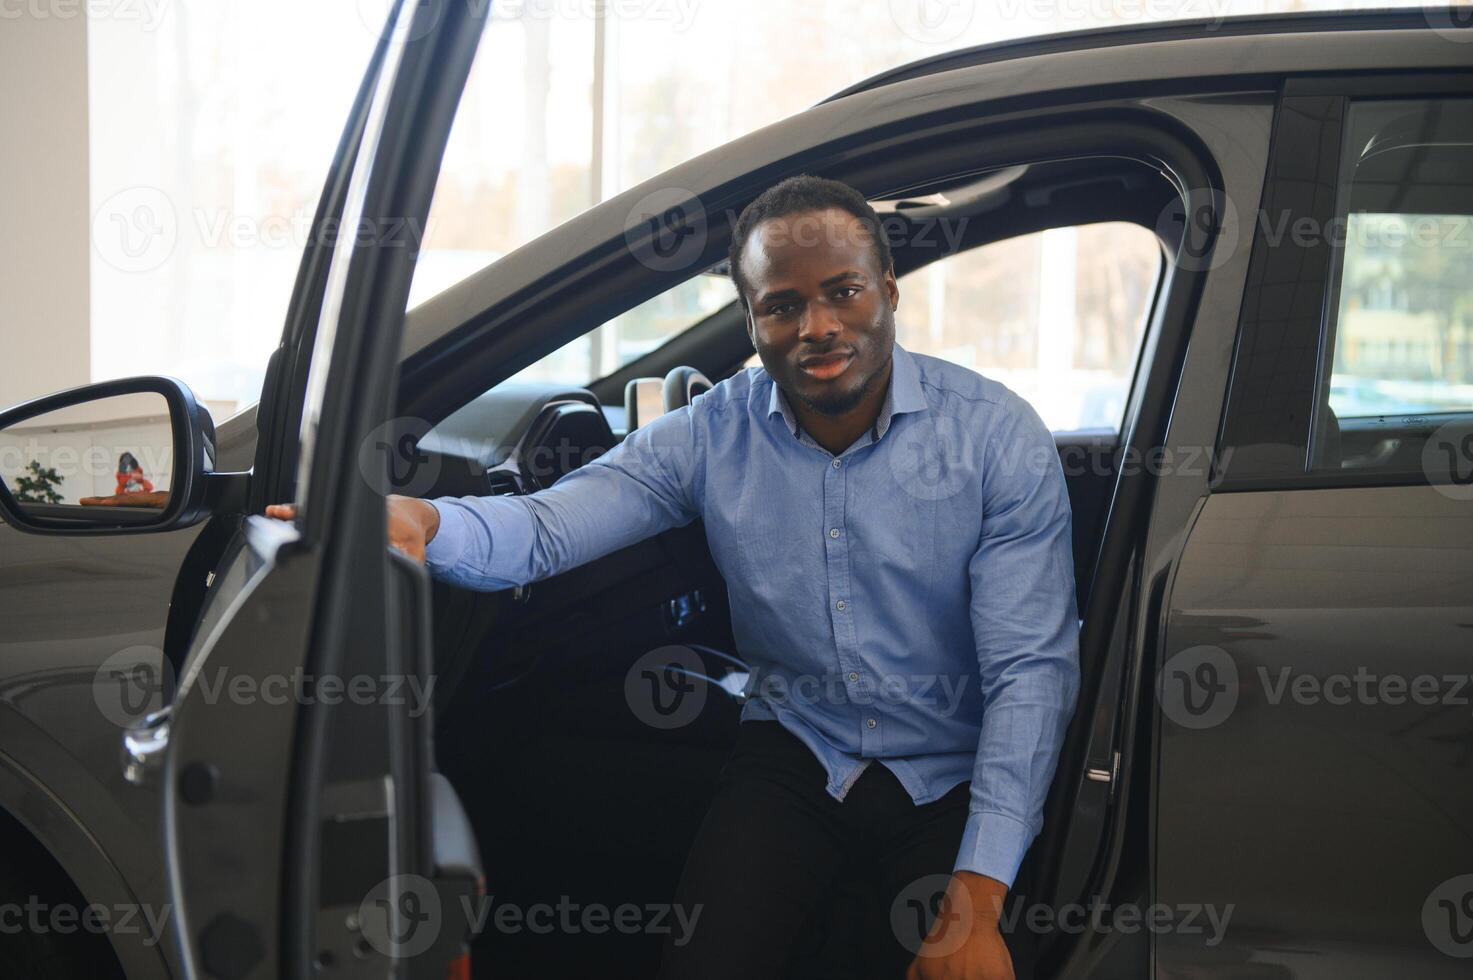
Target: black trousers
{"type": "Point", "coordinates": [789, 881]}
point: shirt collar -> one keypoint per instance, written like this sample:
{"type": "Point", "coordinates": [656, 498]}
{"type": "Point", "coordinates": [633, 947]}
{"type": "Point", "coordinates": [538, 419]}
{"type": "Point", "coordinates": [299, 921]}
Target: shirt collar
{"type": "Point", "coordinates": [904, 395]}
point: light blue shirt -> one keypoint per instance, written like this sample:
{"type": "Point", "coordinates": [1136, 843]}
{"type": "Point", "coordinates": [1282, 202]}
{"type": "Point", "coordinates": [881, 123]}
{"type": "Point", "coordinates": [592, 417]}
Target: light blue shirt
{"type": "Point", "coordinates": [909, 601]}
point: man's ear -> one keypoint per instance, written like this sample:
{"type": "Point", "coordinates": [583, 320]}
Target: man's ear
{"type": "Point", "coordinates": [751, 323]}
{"type": "Point", "coordinates": [892, 288]}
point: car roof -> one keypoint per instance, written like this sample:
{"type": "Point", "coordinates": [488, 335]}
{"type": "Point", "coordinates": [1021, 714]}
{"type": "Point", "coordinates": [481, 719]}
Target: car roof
{"type": "Point", "coordinates": [1259, 25]}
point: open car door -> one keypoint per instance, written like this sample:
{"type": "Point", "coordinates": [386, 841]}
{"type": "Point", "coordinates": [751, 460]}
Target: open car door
{"type": "Point", "coordinates": [307, 833]}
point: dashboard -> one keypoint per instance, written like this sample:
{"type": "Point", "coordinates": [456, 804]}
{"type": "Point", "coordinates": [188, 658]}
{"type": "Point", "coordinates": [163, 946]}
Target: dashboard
{"type": "Point", "coordinates": [519, 438]}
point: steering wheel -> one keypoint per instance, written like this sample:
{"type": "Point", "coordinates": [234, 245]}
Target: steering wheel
{"type": "Point", "coordinates": [681, 385]}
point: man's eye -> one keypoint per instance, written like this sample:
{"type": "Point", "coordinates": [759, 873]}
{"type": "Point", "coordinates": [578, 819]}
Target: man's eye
{"type": "Point", "coordinates": [782, 309]}
{"type": "Point", "coordinates": [846, 292]}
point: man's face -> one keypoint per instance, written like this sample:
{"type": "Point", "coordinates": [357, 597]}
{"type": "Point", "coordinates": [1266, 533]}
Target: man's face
{"type": "Point", "coordinates": [821, 311]}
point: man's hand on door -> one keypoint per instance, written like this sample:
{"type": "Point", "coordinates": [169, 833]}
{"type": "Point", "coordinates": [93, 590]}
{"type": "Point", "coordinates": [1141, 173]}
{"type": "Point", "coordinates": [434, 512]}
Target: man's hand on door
{"type": "Point", "coordinates": [412, 522]}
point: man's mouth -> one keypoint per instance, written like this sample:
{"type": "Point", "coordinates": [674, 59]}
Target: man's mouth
{"type": "Point", "coordinates": [827, 366]}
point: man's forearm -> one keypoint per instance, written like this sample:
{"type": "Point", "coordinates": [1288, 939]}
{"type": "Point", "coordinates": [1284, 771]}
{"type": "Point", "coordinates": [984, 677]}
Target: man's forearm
{"type": "Point", "coordinates": [498, 542]}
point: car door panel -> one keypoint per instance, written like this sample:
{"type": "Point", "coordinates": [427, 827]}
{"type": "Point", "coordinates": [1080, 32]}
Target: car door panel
{"type": "Point", "coordinates": [221, 834]}
{"type": "Point", "coordinates": [1326, 742]}
{"type": "Point", "coordinates": [272, 838]}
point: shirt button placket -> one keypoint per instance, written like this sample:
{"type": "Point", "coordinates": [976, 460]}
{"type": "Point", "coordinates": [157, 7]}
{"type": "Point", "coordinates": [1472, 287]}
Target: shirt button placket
{"type": "Point", "coordinates": [837, 550]}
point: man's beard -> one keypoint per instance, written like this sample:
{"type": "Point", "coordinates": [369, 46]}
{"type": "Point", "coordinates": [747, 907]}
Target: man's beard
{"type": "Point", "coordinates": [842, 402]}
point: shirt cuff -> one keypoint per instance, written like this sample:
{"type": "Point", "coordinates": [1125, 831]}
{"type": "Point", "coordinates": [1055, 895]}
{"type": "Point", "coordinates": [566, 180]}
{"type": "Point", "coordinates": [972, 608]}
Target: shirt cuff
{"type": "Point", "coordinates": [993, 844]}
{"type": "Point", "coordinates": [449, 543]}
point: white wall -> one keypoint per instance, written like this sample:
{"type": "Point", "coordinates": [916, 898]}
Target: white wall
{"type": "Point", "coordinates": [44, 250]}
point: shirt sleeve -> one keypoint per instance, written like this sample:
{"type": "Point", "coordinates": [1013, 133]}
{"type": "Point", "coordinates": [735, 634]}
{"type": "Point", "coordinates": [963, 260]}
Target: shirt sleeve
{"type": "Point", "coordinates": [650, 482]}
{"type": "Point", "coordinates": [1025, 623]}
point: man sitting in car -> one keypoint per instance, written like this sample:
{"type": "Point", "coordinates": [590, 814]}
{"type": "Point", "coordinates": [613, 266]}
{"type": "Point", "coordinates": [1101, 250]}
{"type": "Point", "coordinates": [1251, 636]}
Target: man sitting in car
{"type": "Point", "coordinates": [895, 534]}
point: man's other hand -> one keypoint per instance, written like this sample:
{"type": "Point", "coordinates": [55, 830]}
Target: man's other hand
{"type": "Point", "coordinates": [412, 522]}
{"type": "Point", "coordinates": [965, 942]}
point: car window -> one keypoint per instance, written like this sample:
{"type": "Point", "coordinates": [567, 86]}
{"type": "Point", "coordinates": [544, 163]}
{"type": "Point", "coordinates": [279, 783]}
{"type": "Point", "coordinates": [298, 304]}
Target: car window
{"type": "Point", "coordinates": [632, 334]}
{"type": "Point", "coordinates": [1398, 353]}
{"type": "Point", "coordinates": [1056, 316]}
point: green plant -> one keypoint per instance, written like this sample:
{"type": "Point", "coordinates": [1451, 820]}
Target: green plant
{"type": "Point", "coordinates": [39, 487]}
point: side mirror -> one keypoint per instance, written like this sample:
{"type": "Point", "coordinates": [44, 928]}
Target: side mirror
{"type": "Point", "coordinates": [132, 455]}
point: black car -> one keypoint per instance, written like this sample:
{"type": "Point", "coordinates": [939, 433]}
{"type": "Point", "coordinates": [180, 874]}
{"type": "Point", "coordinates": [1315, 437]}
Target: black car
{"type": "Point", "coordinates": [1269, 771]}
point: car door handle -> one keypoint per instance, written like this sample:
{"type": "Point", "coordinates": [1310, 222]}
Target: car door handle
{"type": "Point", "coordinates": [1097, 775]}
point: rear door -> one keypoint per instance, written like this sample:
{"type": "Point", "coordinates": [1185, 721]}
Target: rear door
{"type": "Point", "coordinates": [305, 831]}
{"type": "Point", "coordinates": [1315, 737]}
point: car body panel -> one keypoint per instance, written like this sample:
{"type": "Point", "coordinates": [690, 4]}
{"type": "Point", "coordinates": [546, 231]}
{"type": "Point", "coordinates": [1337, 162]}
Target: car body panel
{"type": "Point", "coordinates": [53, 732]}
{"type": "Point", "coordinates": [1311, 814]}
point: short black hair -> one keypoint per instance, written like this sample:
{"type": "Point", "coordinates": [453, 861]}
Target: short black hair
{"type": "Point", "coordinates": [794, 196]}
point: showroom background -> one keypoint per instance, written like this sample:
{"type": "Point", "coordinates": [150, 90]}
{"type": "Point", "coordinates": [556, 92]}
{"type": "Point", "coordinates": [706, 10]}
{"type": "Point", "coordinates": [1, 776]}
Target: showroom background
{"type": "Point", "coordinates": [163, 159]}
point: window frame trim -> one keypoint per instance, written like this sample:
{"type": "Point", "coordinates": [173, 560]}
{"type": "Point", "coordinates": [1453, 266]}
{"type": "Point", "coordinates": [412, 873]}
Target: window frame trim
{"type": "Point", "coordinates": [1336, 92]}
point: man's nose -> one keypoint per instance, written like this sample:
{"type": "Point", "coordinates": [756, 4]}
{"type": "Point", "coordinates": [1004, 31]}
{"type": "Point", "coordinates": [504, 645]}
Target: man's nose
{"type": "Point", "coordinates": [819, 324]}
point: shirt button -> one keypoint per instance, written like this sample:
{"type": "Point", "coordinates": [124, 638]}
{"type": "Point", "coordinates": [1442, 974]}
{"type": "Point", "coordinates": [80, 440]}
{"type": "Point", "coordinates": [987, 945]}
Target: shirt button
{"type": "Point", "coordinates": [871, 723]}
{"type": "Point", "coordinates": [854, 675]}
{"type": "Point", "coordinates": [833, 532]}
{"type": "Point", "coordinates": [841, 605]}
{"type": "Point", "coordinates": [838, 463]}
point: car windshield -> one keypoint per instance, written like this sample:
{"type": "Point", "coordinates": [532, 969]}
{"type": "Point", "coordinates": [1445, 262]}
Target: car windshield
{"type": "Point", "coordinates": [632, 334]}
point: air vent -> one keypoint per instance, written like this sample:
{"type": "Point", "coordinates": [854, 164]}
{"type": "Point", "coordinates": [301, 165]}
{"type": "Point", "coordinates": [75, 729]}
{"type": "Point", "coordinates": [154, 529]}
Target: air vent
{"type": "Point", "coordinates": [500, 483]}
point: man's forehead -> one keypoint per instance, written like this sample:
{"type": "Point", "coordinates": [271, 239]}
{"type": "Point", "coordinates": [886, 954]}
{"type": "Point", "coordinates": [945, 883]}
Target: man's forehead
{"type": "Point", "coordinates": [831, 227]}
{"type": "Point", "coordinates": [780, 242]}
